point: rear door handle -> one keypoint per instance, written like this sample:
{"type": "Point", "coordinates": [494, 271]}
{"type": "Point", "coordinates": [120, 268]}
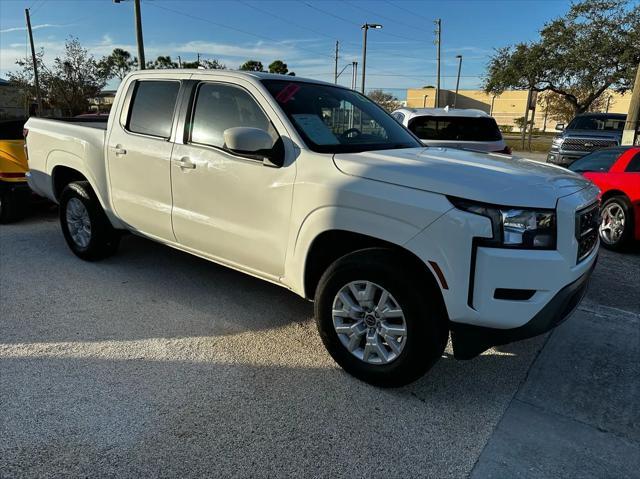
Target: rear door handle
{"type": "Point", "coordinates": [186, 164]}
{"type": "Point", "coordinates": [118, 150]}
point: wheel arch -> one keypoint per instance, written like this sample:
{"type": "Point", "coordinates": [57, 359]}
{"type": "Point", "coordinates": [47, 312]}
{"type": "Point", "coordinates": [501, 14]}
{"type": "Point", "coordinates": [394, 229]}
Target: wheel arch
{"type": "Point", "coordinates": [613, 192]}
{"type": "Point", "coordinates": [333, 244]}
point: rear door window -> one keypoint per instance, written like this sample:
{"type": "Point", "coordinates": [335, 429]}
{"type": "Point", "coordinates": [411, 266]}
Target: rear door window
{"type": "Point", "coordinates": [634, 165]}
{"type": "Point", "coordinates": [455, 128]}
{"type": "Point", "coordinates": [600, 161]}
{"type": "Point", "coordinates": [152, 106]}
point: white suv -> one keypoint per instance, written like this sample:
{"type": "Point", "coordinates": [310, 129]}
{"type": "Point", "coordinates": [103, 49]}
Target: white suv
{"type": "Point", "coordinates": [454, 128]}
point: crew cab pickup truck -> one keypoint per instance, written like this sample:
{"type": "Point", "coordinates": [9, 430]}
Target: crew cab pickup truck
{"type": "Point", "coordinates": [316, 188]}
{"type": "Point", "coordinates": [585, 134]}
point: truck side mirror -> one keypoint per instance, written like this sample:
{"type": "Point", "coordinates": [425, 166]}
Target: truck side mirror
{"type": "Point", "coordinates": [254, 143]}
{"type": "Point", "coordinates": [560, 126]}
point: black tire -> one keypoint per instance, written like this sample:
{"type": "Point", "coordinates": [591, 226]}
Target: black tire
{"type": "Point", "coordinates": [425, 316]}
{"type": "Point", "coordinates": [104, 239]}
{"type": "Point", "coordinates": [12, 206]}
{"type": "Point", "coordinates": [626, 237]}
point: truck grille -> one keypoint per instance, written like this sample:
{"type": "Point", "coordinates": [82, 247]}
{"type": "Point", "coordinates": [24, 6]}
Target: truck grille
{"type": "Point", "coordinates": [587, 222]}
{"type": "Point", "coordinates": [586, 144]}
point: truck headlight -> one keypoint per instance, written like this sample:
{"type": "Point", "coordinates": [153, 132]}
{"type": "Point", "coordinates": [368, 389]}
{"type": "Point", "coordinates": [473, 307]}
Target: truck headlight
{"type": "Point", "coordinates": [557, 143]}
{"type": "Point", "coordinates": [513, 227]}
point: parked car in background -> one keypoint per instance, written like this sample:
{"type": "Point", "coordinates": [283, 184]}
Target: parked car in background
{"type": "Point", "coordinates": [316, 188]}
{"type": "Point", "coordinates": [616, 171]}
{"type": "Point", "coordinates": [454, 128]}
{"type": "Point", "coordinates": [584, 134]}
{"type": "Point", "coordinates": [14, 191]}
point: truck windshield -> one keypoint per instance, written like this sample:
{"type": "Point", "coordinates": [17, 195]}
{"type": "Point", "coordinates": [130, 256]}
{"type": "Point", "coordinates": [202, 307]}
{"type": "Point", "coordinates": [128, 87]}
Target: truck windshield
{"type": "Point", "coordinates": [456, 128]}
{"type": "Point", "coordinates": [597, 123]}
{"type": "Point", "coordinates": [336, 120]}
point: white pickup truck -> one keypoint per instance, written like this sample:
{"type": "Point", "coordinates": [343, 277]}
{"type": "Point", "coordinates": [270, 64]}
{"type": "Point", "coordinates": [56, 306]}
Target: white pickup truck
{"type": "Point", "coordinates": [314, 187]}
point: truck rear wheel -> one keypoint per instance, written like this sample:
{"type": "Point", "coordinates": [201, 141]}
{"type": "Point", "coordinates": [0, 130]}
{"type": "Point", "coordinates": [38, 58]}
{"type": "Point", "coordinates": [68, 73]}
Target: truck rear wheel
{"type": "Point", "coordinates": [85, 226]}
{"type": "Point", "coordinates": [379, 323]}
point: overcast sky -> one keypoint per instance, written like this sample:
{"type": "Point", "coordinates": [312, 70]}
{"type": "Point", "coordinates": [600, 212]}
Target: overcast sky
{"type": "Point", "coordinates": [302, 33]}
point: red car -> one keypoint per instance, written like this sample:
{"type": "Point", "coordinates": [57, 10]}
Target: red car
{"type": "Point", "coordinates": [616, 171]}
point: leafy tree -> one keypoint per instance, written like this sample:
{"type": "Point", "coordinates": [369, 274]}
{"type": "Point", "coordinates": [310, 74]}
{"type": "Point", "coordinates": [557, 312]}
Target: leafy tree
{"type": "Point", "coordinates": [558, 108]}
{"type": "Point", "coordinates": [252, 66]}
{"type": "Point", "coordinates": [162, 62]}
{"type": "Point", "coordinates": [118, 64]}
{"type": "Point", "coordinates": [24, 79]}
{"type": "Point", "coordinates": [595, 46]}
{"type": "Point", "coordinates": [278, 66]}
{"type": "Point", "coordinates": [384, 99]}
{"type": "Point", "coordinates": [519, 122]}
{"type": "Point", "coordinates": [74, 79]}
{"type": "Point", "coordinates": [68, 85]}
{"type": "Point", "coordinates": [213, 64]}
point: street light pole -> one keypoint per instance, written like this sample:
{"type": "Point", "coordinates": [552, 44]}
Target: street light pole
{"type": "Point", "coordinates": [455, 98]}
{"type": "Point", "coordinates": [365, 28]}
{"type": "Point", "coordinates": [438, 23]}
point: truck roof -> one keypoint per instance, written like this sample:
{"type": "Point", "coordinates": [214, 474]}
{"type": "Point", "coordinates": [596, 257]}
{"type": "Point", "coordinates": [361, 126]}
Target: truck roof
{"type": "Point", "coordinates": [249, 75]}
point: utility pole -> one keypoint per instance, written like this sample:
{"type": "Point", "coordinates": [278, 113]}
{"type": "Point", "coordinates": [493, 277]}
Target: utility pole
{"type": "Point", "coordinates": [179, 62]}
{"type": "Point", "coordinates": [630, 133]}
{"type": "Point", "coordinates": [455, 98]}
{"type": "Point", "coordinates": [438, 23]}
{"type": "Point", "coordinates": [335, 68]}
{"type": "Point", "coordinates": [198, 61]}
{"type": "Point", "coordinates": [36, 82]}
{"type": "Point", "coordinates": [606, 110]}
{"type": "Point", "coordinates": [138, 21]}
{"type": "Point", "coordinates": [354, 75]}
{"type": "Point", "coordinates": [142, 64]}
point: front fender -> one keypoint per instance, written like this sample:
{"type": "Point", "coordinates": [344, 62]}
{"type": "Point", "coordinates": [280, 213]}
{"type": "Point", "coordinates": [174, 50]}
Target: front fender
{"type": "Point", "coordinates": [342, 218]}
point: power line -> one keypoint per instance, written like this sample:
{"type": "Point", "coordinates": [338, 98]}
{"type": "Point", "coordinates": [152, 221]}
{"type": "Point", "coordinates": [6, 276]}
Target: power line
{"type": "Point", "coordinates": [400, 22]}
{"type": "Point", "coordinates": [260, 37]}
{"type": "Point", "coordinates": [408, 11]}
{"type": "Point", "coordinates": [350, 22]}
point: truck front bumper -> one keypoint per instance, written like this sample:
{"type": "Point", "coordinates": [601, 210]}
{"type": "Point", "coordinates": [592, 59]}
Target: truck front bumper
{"type": "Point", "coordinates": [469, 340]}
{"type": "Point", "coordinates": [565, 159]}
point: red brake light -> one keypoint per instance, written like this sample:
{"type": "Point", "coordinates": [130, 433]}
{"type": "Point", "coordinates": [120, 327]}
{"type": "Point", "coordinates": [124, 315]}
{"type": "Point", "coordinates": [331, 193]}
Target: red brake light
{"type": "Point", "coordinates": [506, 150]}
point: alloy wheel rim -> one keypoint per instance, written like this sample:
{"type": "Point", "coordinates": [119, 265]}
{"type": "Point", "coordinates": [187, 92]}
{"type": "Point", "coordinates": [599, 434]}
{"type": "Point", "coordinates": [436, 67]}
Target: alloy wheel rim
{"type": "Point", "coordinates": [369, 322]}
{"type": "Point", "coordinates": [78, 222]}
{"type": "Point", "coordinates": [612, 223]}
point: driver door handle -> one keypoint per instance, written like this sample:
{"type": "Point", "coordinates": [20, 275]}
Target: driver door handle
{"type": "Point", "coordinates": [118, 150]}
{"type": "Point", "coordinates": [185, 163]}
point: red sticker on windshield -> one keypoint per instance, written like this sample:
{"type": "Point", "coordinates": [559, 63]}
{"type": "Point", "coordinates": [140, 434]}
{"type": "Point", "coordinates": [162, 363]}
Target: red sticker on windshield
{"type": "Point", "coordinates": [287, 93]}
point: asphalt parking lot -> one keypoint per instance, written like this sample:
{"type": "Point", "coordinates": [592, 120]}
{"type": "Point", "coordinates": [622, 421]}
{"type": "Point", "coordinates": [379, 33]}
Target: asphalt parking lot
{"type": "Point", "coordinates": [157, 363]}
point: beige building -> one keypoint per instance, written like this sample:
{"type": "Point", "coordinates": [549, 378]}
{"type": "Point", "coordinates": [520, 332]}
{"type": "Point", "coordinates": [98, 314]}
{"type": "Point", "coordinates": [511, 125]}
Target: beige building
{"type": "Point", "coordinates": [505, 107]}
{"type": "Point", "coordinates": [12, 103]}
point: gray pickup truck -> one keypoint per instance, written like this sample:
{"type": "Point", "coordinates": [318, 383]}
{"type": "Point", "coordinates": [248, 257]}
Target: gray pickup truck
{"type": "Point", "coordinates": [584, 134]}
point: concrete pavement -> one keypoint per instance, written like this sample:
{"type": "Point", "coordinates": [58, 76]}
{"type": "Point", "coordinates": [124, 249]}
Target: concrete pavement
{"type": "Point", "coordinates": [157, 363]}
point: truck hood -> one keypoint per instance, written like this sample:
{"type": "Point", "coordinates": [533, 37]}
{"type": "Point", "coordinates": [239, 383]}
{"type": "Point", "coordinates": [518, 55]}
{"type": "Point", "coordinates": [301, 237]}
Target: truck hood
{"type": "Point", "coordinates": [602, 134]}
{"type": "Point", "coordinates": [488, 178]}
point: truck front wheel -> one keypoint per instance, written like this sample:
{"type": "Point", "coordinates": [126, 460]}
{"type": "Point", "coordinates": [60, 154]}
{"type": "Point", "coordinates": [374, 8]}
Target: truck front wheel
{"type": "Point", "coordinates": [85, 226]}
{"type": "Point", "coordinates": [380, 323]}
